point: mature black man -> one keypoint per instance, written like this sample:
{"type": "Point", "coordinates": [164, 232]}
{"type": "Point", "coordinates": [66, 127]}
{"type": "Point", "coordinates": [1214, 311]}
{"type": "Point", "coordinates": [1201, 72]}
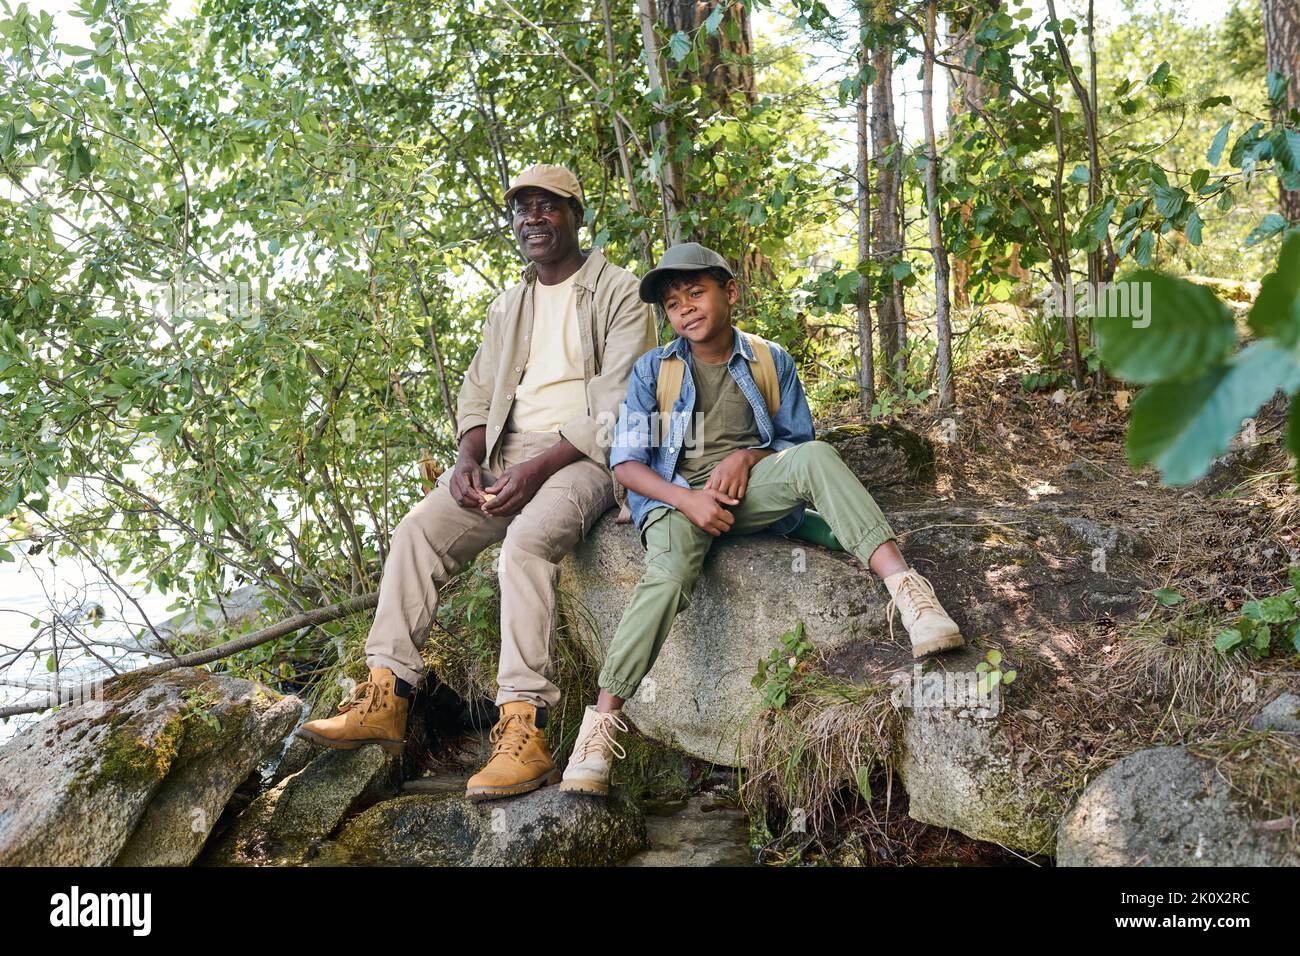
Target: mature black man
{"type": "Point", "coordinates": [534, 425]}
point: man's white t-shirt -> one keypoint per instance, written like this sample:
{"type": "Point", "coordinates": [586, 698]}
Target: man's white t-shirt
{"type": "Point", "coordinates": [553, 390]}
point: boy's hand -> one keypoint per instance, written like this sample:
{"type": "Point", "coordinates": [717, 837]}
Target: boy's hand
{"type": "Point", "coordinates": [731, 475]}
{"type": "Point", "coordinates": [704, 508]}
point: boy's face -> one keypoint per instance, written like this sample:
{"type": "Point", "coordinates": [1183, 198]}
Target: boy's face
{"type": "Point", "coordinates": [699, 309]}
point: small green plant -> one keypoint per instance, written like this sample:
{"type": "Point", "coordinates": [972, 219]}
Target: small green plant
{"type": "Point", "coordinates": [783, 668]}
{"type": "Point", "coordinates": [1043, 381]}
{"type": "Point", "coordinates": [1264, 620]}
{"type": "Point", "coordinates": [991, 672]}
{"type": "Point", "coordinates": [889, 403]}
{"type": "Point", "coordinates": [198, 706]}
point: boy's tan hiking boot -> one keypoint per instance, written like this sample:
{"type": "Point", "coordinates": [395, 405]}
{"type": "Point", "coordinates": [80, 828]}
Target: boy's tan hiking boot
{"type": "Point", "coordinates": [927, 623]}
{"type": "Point", "coordinates": [520, 760]}
{"type": "Point", "coordinates": [589, 767]}
{"type": "Point", "coordinates": [374, 714]}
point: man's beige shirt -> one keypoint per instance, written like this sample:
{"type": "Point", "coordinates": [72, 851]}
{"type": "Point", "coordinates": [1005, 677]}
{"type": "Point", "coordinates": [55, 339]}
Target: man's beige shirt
{"type": "Point", "coordinates": [614, 329]}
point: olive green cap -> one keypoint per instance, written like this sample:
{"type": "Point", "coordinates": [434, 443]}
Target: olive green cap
{"type": "Point", "coordinates": [683, 257]}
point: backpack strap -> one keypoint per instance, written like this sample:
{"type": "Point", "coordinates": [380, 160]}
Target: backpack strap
{"type": "Point", "coordinates": [763, 368]}
{"type": "Point", "coordinates": [667, 390]}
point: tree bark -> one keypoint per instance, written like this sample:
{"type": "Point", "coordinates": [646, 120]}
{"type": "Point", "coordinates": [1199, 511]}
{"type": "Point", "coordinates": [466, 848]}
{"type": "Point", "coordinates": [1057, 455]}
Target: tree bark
{"type": "Point", "coordinates": [866, 358]}
{"type": "Point", "coordinates": [670, 175]}
{"type": "Point", "coordinates": [1282, 50]}
{"type": "Point", "coordinates": [966, 91]}
{"type": "Point", "coordinates": [942, 317]}
{"type": "Point", "coordinates": [887, 227]}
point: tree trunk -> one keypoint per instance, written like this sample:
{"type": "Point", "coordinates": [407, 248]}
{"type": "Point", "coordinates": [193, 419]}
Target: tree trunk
{"type": "Point", "coordinates": [718, 75]}
{"type": "Point", "coordinates": [866, 360]}
{"type": "Point", "coordinates": [887, 237]}
{"type": "Point", "coordinates": [670, 176]}
{"type": "Point", "coordinates": [1282, 48]}
{"type": "Point", "coordinates": [725, 68]}
{"type": "Point", "coordinates": [942, 318]}
{"type": "Point", "coordinates": [966, 91]}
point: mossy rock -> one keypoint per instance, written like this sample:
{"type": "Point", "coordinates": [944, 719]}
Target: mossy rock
{"type": "Point", "coordinates": [547, 827]}
{"type": "Point", "coordinates": [886, 457]}
{"type": "Point", "coordinates": [138, 777]}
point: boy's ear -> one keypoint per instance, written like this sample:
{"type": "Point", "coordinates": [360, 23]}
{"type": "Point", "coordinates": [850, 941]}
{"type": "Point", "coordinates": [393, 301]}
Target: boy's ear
{"type": "Point", "coordinates": [733, 292]}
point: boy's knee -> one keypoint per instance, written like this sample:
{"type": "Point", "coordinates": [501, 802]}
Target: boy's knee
{"type": "Point", "coordinates": [817, 453]}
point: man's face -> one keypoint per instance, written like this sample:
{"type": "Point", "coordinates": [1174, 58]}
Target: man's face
{"type": "Point", "coordinates": [544, 225]}
{"type": "Point", "coordinates": [699, 308]}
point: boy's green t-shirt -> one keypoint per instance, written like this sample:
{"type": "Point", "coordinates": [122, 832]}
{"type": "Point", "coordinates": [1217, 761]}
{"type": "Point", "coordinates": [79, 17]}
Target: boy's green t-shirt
{"type": "Point", "coordinates": [723, 421]}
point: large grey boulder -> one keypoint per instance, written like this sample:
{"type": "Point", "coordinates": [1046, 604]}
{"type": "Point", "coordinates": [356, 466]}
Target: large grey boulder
{"type": "Point", "coordinates": [997, 569]}
{"type": "Point", "coordinates": [544, 828]}
{"type": "Point", "coordinates": [1167, 807]}
{"type": "Point", "coordinates": [139, 777]}
{"type": "Point", "coordinates": [1282, 713]}
{"type": "Point", "coordinates": [282, 826]}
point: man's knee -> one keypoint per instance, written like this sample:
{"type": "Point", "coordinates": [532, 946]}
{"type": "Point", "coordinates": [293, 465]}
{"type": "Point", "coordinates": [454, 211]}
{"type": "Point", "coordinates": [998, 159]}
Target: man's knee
{"type": "Point", "coordinates": [549, 539]}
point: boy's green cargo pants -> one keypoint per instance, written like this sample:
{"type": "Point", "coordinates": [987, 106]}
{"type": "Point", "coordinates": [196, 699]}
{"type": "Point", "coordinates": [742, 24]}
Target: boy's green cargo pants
{"type": "Point", "coordinates": [811, 473]}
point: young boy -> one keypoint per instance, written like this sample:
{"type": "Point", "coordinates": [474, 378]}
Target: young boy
{"type": "Point", "coordinates": [747, 470]}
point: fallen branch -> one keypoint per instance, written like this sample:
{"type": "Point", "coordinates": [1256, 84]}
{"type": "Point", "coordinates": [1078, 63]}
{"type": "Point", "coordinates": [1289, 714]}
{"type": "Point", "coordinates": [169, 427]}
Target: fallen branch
{"type": "Point", "coordinates": [296, 623]}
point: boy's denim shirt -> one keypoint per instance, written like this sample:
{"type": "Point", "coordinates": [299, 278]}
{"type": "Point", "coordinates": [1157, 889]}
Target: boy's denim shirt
{"type": "Point", "coordinates": [636, 435]}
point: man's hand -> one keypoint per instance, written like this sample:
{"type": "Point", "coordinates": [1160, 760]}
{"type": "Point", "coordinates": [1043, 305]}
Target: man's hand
{"type": "Point", "coordinates": [731, 475]}
{"type": "Point", "coordinates": [704, 508]}
{"type": "Point", "coordinates": [515, 488]}
{"type": "Point", "coordinates": [467, 480]}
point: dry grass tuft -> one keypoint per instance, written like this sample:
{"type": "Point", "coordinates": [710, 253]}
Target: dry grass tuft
{"type": "Point", "coordinates": [1263, 768]}
{"type": "Point", "coordinates": [825, 743]}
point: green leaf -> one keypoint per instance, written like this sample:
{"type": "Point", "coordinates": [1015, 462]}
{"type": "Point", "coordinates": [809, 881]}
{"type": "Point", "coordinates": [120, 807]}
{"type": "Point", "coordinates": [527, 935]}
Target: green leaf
{"type": "Point", "coordinates": [1142, 253]}
{"type": "Point", "coordinates": [1159, 328]}
{"type": "Point", "coordinates": [1193, 228]}
{"type": "Point", "coordinates": [1268, 227]}
{"type": "Point", "coordinates": [679, 46]}
{"type": "Point", "coordinates": [994, 657]}
{"type": "Point", "coordinates": [1008, 676]}
{"type": "Point", "coordinates": [1169, 200]}
{"type": "Point", "coordinates": [1286, 148]}
{"type": "Point", "coordinates": [1276, 312]}
{"type": "Point", "coordinates": [1181, 427]}
{"type": "Point", "coordinates": [864, 782]}
{"type": "Point", "coordinates": [1277, 609]}
{"type": "Point", "coordinates": [1079, 174]}
{"type": "Point", "coordinates": [715, 18]}
{"type": "Point", "coordinates": [1168, 596]}
{"type": "Point", "coordinates": [1277, 84]}
{"type": "Point", "coordinates": [1228, 640]}
{"type": "Point", "coordinates": [1220, 141]}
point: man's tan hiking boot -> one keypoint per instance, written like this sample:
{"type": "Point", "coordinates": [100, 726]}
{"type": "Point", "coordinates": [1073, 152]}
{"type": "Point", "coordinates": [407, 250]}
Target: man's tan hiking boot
{"type": "Point", "coordinates": [589, 767]}
{"type": "Point", "coordinates": [520, 760]}
{"type": "Point", "coordinates": [374, 714]}
{"type": "Point", "coordinates": [927, 623]}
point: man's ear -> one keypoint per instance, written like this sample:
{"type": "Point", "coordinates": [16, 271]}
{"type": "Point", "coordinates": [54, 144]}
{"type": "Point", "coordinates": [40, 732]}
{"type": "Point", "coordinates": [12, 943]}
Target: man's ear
{"type": "Point", "coordinates": [733, 291]}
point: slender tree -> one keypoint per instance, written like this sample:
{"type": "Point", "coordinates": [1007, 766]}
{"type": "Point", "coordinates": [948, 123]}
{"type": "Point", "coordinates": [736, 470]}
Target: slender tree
{"type": "Point", "coordinates": [943, 320]}
{"type": "Point", "coordinates": [887, 224]}
{"type": "Point", "coordinates": [866, 358]}
{"type": "Point", "coordinates": [1282, 49]}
